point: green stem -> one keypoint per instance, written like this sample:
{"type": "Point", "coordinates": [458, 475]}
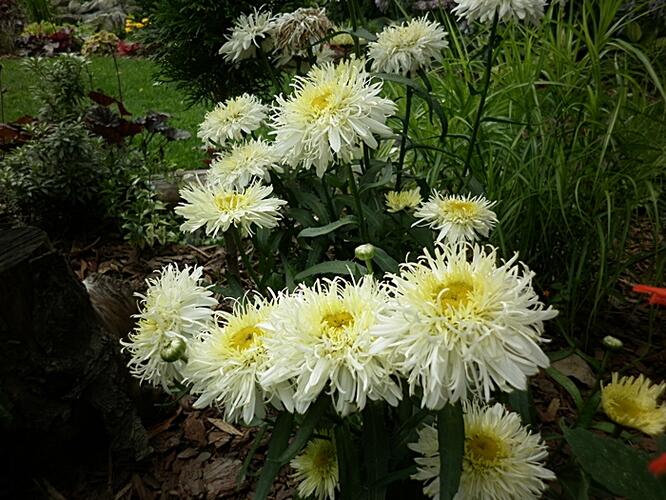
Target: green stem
{"type": "Point", "coordinates": [354, 19]}
{"type": "Point", "coordinates": [120, 89]}
{"type": "Point", "coordinates": [403, 139]}
{"type": "Point", "coordinates": [231, 252]}
{"type": "Point", "coordinates": [490, 51]}
{"type": "Point", "coordinates": [451, 443]}
{"type": "Point", "coordinates": [329, 200]}
{"type": "Point", "coordinates": [246, 262]}
{"type": "Point", "coordinates": [271, 71]}
{"type": "Point", "coordinates": [357, 202]}
{"type": "Point", "coordinates": [368, 265]}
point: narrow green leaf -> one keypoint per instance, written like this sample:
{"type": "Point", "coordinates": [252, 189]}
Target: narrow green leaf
{"type": "Point", "coordinates": [310, 421]}
{"type": "Point", "coordinates": [619, 468]}
{"type": "Point", "coordinates": [375, 448]}
{"type": "Point", "coordinates": [521, 402]}
{"type": "Point", "coordinates": [348, 464]}
{"type": "Point", "coordinates": [567, 384]}
{"type": "Point", "coordinates": [276, 446]}
{"type": "Point", "coordinates": [451, 438]}
{"type": "Point", "coordinates": [312, 232]}
{"type": "Point", "coordinates": [385, 261]}
{"type": "Point", "coordinates": [346, 267]}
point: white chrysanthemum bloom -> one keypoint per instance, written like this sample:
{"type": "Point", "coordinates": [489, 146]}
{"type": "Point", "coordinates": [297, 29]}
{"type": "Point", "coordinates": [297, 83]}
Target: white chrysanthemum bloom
{"type": "Point", "coordinates": [502, 459]}
{"type": "Point", "coordinates": [457, 217]}
{"type": "Point", "coordinates": [334, 109]}
{"type": "Point", "coordinates": [484, 10]}
{"type": "Point", "coordinates": [408, 48]}
{"type": "Point", "coordinates": [316, 470]}
{"type": "Point", "coordinates": [224, 364]}
{"type": "Point", "coordinates": [297, 32]}
{"type": "Point", "coordinates": [249, 33]}
{"type": "Point", "coordinates": [397, 201]}
{"type": "Point", "coordinates": [243, 163]}
{"type": "Point", "coordinates": [463, 327]}
{"type": "Point", "coordinates": [231, 119]}
{"type": "Point", "coordinates": [321, 338]}
{"type": "Point", "coordinates": [174, 310]}
{"type": "Point", "coordinates": [217, 207]}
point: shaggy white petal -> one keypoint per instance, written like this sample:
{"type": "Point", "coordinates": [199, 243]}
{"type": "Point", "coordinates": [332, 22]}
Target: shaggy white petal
{"type": "Point", "coordinates": [174, 310]}
{"type": "Point", "coordinates": [249, 33]}
{"type": "Point", "coordinates": [218, 207]}
{"type": "Point", "coordinates": [245, 162]}
{"type": "Point", "coordinates": [408, 48]}
{"type": "Point", "coordinates": [484, 10]}
{"type": "Point", "coordinates": [459, 328]}
{"type": "Point", "coordinates": [321, 340]}
{"type": "Point", "coordinates": [502, 459]}
{"type": "Point", "coordinates": [333, 111]}
{"type": "Point", "coordinates": [231, 119]}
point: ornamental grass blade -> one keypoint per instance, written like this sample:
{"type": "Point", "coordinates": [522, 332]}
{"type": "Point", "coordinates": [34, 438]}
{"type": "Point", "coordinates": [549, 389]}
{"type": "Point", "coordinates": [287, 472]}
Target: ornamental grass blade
{"type": "Point", "coordinates": [451, 437]}
{"type": "Point", "coordinates": [276, 447]}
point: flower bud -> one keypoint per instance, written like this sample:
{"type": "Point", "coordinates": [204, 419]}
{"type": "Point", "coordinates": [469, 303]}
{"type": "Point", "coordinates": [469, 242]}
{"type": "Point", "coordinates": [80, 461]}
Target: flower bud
{"type": "Point", "coordinates": [612, 344]}
{"type": "Point", "coordinates": [173, 350]}
{"type": "Point", "coordinates": [365, 252]}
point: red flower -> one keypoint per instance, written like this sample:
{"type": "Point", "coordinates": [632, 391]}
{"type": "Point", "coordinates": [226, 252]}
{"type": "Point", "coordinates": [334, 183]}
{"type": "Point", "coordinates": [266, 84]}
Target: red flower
{"type": "Point", "coordinates": [658, 465]}
{"type": "Point", "coordinates": [657, 295]}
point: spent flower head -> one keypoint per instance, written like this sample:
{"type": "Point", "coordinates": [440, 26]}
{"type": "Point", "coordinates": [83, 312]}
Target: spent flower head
{"type": "Point", "coordinates": [460, 327]}
{"type": "Point", "coordinates": [407, 48]}
{"type": "Point", "coordinates": [634, 402]}
{"type": "Point", "coordinates": [217, 207]}
{"type": "Point", "coordinates": [175, 309]}
{"type": "Point", "coordinates": [231, 119]}
{"type": "Point", "coordinates": [457, 217]}
{"type": "Point", "coordinates": [502, 459]}
{"type": "Point", "coordinates": [484, 10]}
{"type": "Point", "coordinates": [333, 111]}
{"type": "Point", "coordinates": [297, 32]}
{"type": "Point", "coordinates": [249, 33]}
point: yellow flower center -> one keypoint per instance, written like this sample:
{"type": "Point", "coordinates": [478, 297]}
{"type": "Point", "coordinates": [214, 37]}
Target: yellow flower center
{"type": "Point", "coordinates": [226, 202]}
{"type": "Point", "coordinates": [627, 407]}
{"type": "Point", "coordinates": [324, 458]}
{"type": "Point", "coordinates": [337, 321]}
{"type": "Point", "coordinates": [321, 101]}
{"type": "Point", "coordinates": [484, 450]}
{"type": "Point", "coordinates": [460, 208]}
{"type": "Point", "coordinates": [245, 337]}
{"type": "Point", "coordinates": [453, 294]}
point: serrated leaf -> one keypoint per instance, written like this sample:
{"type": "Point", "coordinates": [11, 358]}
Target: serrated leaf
{"type": "Point", "coordinates": [312, 232]}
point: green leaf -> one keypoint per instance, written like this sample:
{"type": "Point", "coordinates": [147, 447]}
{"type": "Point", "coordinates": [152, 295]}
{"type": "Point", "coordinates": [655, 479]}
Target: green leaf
{"type": "Point", "coordinates": [346, 267]}
{"type": "Point", "coordinates": [385, 261]}
{"type": "Point", "coordinates": [567, 384]}
{"type": "Point", "coordinates": [312, 232]}
{"type": "Point", "coordinates": [521, 402]}
{"type": "Point", "coordinates": [614, 465]}
{"type": "Point", "coordinates": [451, 438]}
{"type": "Point", "coordinates": [307, 427]}
{"type": "Point", "coordinates": [276, 447]}
{"type": "Point", "coordinates": [375, 448]}
{"type": "Point", "coordinates": [348, 464]}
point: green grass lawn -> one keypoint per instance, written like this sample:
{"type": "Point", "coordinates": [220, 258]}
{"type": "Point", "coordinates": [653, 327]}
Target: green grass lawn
{"type": "Point", "coordinates": [141, 93]}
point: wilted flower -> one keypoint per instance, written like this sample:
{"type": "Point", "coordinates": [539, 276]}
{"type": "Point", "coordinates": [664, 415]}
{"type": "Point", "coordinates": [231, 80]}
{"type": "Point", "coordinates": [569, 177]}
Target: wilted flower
{"type": "Point", "coordinates": [634, 402]}
{"type": "Point", "coordinates": [321, 340]}
{"type": "Point", "coordinates": [218, 207]}
{"type": "Point", "coordinates": [402, 200]}
{"type": "Point", "coordinates": [224, 365]}
{"type": "Point", "coordinates": [333, 111]}
{"type": "Point", "coordinates": [456, 217]}
{"type": "Point", "coordinates": [317, 470]}
{"type": "Point", "coordinates": [245, 161]}
{"type": "Point", "coordinates": [174, 310]}
{"type": "Point", "coordinates": [297, 32]}
{"type": "Point", "coordinates": [502, 459]}
{"type": "Point", "coordinates": [231, 119]}
{"type": "Point", "coordinates": [484, 10]}
{"type": "Point", "coordinates": [459, 327]}
{"type": "Point", "coordinates": [408, 48]}
{"type": "Point", "coordinates": [249, 32]}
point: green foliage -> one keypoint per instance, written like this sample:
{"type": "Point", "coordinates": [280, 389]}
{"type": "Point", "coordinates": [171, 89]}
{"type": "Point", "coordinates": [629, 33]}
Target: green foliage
{"type": "Point", "coordinates": [185, 37]}
{"type": "Point", "coordinates": [37, 10]}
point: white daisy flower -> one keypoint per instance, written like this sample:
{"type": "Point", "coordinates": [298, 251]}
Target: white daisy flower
{"type": "Point", "coordinates": [457, 217]}
{"type": "Point", "coordinates": [174, 310]}
{"type": "Point", "coordinates": [217, 207]}
{"type": "Point", "coordinates": [502, 459]}
{"type": "Point", "coordinates": [484, 10]}
{"type": "Point", "coordinates": [249, 33]}
{"type": "Point", "coordinates": [245, 162]}
{"type": "Point", "coordinates": [397, 201]}
{"type": "Point", "coordinates": [231, 119]}
{"type": "Point", "coordinates": [297, 32]}
{"type": "Point", "coordinates": [316, 470]}
{"type": "Point", "coordinates": [321, 338]}
{"type": "Point", "coordinates": [224, 365]}
{"type": "Point", "coordinates": [333, 111]}
{"type": "Point", "coordinates": [461, 327]}
{"type": "Point", "coordinates": [408, 48]}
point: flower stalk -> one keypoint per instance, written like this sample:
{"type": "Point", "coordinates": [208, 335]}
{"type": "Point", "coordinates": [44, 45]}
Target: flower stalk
{"type": "Point", "coordinates": [403, 140]}
{"type": "Point", "coordinates": [357, 202]}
